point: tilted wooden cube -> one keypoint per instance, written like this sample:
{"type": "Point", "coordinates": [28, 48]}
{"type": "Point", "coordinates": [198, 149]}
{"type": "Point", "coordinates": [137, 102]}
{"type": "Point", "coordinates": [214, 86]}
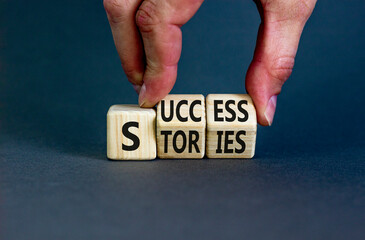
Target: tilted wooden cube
{"type": "Point", "coordinates": [131, 133]}
{"type": "Point", "coordinates": [181, 126]}
{"type": "Point", "coordinates": [231, 126]}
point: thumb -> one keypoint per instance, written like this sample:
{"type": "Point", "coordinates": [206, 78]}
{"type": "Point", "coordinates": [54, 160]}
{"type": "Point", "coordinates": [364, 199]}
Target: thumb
{"type": "Point", "coordinates": [276, 47]}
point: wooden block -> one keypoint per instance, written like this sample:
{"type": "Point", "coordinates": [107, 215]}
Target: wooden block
{"type": "Point", "coordinates": [181, 126]}
{"type": "Point", "coordinates": [231, 126]}
{"type": "Point", "coordinates": [131, 133]}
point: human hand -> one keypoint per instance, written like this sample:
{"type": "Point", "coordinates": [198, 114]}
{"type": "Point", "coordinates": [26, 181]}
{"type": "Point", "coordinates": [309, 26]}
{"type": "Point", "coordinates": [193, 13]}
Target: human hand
{"type": "Point", "coordinates": [148, 39]}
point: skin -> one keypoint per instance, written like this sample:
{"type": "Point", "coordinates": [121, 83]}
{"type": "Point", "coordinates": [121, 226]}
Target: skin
{"type": "Point", "coordinates": [148, 39]}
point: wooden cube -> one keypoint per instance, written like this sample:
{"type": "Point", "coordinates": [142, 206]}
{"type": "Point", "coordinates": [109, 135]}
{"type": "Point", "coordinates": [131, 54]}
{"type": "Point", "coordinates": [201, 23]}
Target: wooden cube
{"type": "Point", "coordinates": [131, 133]}
{"type": "Point", "coordinates": [181, 126]}
{"type": "Point", "coordinates": [231, 126]}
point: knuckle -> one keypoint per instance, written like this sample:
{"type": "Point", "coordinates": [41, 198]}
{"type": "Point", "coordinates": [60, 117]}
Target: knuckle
{"type": "Point", "coordinates": [117, 10]}
{"type": "Point", "coordinates": [297, 10]}
{"type": "Point", "coordinates": [303, 10]}
{"type": "Point", "coordinates": [282, 68]}
{"type": "Point", "coordinates": [147, 16]}
{"type": "Point", "coordinates": [133, 76]}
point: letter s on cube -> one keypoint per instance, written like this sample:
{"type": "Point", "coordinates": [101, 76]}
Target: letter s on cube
{"type": "Point", "coordinates": [131, 133]}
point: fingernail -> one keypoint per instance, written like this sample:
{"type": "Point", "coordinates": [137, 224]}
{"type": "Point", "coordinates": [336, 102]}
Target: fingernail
{"type": "Point", "coordinates": [270, 109]}
{"type": "Point", "coordinates": [137, 88]}
{"type": "Point", "coordinates": [142, 93]}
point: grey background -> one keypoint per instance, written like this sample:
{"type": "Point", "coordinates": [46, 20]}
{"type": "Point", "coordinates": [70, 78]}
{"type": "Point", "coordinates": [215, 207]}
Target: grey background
{"type": "Point", "coordinates": [59, 73]}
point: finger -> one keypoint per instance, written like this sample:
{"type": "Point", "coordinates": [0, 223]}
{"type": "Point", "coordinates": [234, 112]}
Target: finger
{"type": "Point", "coordinates": [121, 16]}
{"type": "Point", "coordinates": [276, 47]}
{"type": "Point", "coordinates": [159, 23]}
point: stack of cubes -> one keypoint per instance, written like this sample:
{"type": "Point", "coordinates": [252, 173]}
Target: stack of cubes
{"type": "Point", "coordinates": [184, 126]}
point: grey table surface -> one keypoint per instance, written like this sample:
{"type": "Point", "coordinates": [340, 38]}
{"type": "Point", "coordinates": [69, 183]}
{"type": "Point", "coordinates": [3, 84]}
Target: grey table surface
{"type": "Point", "coordinates": [59, 73]}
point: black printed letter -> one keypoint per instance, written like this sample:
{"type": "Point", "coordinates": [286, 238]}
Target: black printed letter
{"type": "Point", "coordinates": [242, 110]}
{"type": "Point", "coordinates": [131, 136]}
{"type": "Point", "coordinates": [217, 110]}
{"type": "Point", "coordinates": [178, 106]}
{"type": "Point", "coordinates": [167, 119]}
{"type": "Point", "coordinates": [166, 140]}
{"type": "Point", "coordinates": [195, 119]}
{"type": "Point", "coordinates": [240, 141]}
